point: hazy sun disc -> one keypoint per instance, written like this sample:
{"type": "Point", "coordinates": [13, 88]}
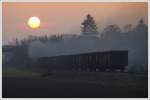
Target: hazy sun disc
{"type": "Point", "coordinates": [34, 22]}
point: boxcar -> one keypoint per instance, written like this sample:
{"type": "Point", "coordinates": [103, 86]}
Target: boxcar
{"type": "Point", "coordinates": [110, 60]}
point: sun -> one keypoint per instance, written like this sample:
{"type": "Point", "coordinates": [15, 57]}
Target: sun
{"type": "Point", "coordinates": [34, 22]}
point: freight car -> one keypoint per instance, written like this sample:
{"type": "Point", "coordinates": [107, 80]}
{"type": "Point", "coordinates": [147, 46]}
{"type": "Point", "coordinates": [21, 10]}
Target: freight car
{"type": "Point", "coordinates": [110, 60]}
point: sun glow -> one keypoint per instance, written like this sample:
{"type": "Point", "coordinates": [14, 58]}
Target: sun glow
{"type": "Point", "coordinates": [34, 22]}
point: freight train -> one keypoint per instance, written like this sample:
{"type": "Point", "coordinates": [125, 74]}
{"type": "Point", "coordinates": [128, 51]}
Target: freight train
{"type": "Point", "coordinates": [102, 61]}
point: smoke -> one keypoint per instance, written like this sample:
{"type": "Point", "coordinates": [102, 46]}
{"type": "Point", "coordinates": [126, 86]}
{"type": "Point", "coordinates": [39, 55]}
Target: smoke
{"type": "Point", "coordinates": [65, 46]}
{"type": "Point", "coordinates": [86, 43]}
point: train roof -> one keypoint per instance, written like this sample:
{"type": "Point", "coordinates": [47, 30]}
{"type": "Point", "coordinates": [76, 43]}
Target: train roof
{"type": "Point", "coordinates": [85, 53]}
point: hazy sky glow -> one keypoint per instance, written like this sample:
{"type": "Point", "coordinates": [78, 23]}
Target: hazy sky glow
{"type": "Point", "coordinates": [59, 18]}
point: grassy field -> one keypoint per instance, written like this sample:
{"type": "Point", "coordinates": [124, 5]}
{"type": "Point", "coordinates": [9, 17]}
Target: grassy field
{"type": "Point", "coordinates": [18, 83]}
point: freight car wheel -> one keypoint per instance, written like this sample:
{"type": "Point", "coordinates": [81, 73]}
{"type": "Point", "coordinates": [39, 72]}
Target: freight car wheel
{"type": "Point", "coordinates": [112, 69]}
{"type": "Point", "coordinates": [101, 70]}
{"type": "Point", "coordinates": [91, 70]}
{"type": "Point", "coordinates": [97, 69]}
{"type": "Point", "coordinates": [122, 69]}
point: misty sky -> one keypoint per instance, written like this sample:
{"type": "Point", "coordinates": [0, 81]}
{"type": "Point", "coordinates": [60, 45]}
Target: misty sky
{"type": "Point", "coordinates": [60, 18]}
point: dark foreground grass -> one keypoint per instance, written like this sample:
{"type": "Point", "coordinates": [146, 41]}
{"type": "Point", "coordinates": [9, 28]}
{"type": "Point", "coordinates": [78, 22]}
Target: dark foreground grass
{"type": "Point", "coordinates": [76, 85]}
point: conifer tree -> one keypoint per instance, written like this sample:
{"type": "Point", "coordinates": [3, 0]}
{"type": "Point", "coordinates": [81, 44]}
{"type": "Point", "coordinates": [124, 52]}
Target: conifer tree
{"type": "Point", "coordinates": [89, 26]}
